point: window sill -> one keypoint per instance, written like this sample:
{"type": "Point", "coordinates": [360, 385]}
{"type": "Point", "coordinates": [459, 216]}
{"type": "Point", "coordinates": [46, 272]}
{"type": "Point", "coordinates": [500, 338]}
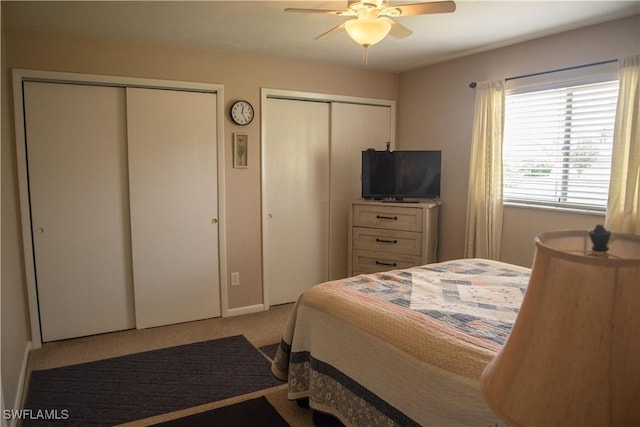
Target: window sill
{"type": "Point", "coordinates": [555, 209]}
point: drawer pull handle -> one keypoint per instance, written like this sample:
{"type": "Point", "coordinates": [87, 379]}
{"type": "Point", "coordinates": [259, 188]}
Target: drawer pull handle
{"type": "Point", "coordinates": [386, 241]}
{"type": "Point", "coordinates": [394, 218]}
{"type": "Point", "coordinates": [389, 264]}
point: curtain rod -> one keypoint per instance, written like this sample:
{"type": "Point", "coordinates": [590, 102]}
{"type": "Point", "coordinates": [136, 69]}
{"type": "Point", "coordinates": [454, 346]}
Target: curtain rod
{"type": "Point", "coordinates": [473, 85]}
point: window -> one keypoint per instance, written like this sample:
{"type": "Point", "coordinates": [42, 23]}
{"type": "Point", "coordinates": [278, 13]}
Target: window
{"type": "Point", "coordinates": [557, 146]}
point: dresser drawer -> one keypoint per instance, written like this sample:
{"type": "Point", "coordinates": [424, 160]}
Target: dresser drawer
{"type": "Point", "coordinates": [371, 262]}
{"type": "Point", "coordinates": [393, 241]}
{"type": "Point", "coordinates": [388, 217]}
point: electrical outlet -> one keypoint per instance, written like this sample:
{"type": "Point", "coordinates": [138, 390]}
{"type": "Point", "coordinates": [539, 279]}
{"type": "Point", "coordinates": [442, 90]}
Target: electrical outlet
{"type": "Point", "coordinates": [235, 279]}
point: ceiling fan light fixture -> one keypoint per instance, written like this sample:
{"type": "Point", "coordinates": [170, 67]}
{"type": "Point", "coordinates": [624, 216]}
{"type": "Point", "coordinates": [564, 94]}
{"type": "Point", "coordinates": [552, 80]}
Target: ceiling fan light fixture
{"type": "Point", "coordinates": [373, 19]}
{"type": "Point", "coordinates": [367, 32]}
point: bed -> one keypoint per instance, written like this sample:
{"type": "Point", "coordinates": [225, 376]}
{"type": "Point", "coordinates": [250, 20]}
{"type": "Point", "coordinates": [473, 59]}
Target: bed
{"type": "Point", "coordinates": [403, 347]}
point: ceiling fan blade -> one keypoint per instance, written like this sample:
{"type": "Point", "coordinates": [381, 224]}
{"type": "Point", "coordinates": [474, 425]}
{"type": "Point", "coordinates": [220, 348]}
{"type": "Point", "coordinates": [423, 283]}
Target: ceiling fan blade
{"type": "Point", "coordinates": [398, 31]}
{"type": "Point", "coordinates": [325, 11]}
{"type": "Point", "coordinates": [331, 32]}
{"type": "Point", "coordinates": [426, 8]}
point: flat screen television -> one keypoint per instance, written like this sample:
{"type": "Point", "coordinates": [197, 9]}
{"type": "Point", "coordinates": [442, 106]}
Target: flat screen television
{"type": "Point", "coordinates": [400, 175]}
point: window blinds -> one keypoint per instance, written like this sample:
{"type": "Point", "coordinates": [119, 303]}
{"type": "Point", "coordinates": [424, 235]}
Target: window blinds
{"type": "Point", "coordinates": [557, 146]}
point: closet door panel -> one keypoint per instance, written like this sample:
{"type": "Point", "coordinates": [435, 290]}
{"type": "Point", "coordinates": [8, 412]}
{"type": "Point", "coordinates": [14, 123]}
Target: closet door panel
{"type": "Point", "coordinates": [174, 205]}
{"type": "Point", "coordinates": [296, 197]}
{"type": "Point", "coordinates": [354, 127]}
{"type": "Point", "coordinates": [76, 149]}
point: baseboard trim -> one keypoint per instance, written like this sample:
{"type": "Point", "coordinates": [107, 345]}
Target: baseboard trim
{"type": "Point", "coordinates": [21, 384]}
{"type": "Point", "coordinates": [245, 310]}
{"type": "Point", "coordinates": [3, 421]}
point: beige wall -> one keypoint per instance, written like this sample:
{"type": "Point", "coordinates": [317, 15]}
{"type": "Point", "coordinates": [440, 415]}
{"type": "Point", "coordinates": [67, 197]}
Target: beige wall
{"type": "Point", "coordinates": [436, 112]}
{"type": "Point", "coordinates": [15, 323]}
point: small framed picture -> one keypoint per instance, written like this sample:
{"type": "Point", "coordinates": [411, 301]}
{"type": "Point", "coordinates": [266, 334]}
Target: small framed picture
{"type": "Point", "coordinates": [240, 148]}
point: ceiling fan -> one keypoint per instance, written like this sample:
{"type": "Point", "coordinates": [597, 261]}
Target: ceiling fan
{"type": "Point", "coordinates": [372, 22]}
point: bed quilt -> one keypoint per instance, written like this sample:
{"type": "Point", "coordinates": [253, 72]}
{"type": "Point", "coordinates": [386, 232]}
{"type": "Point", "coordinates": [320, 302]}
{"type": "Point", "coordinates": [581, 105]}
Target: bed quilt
{"type": "Point", "coordinates": [446, 319]}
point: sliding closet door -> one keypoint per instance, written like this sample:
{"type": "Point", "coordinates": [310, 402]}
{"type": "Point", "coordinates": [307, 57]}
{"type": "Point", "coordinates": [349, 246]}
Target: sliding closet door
{"type": "Point", "coordinates": [296, 197]}
{"type": "Point", "coordinates": [354, 127]}
{"type": "Point", "coordinates": [174, 205]}
{"type": "Point", "coordinates": [77, 163]}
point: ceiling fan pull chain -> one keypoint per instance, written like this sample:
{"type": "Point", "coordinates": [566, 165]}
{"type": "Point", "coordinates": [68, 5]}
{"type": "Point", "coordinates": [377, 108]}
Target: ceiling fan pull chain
{"type": "Point", "coordinates": [365, 54]}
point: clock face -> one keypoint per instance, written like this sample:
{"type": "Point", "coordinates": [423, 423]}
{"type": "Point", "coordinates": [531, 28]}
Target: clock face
{"type": "Point", "coordinates": [241, 112]}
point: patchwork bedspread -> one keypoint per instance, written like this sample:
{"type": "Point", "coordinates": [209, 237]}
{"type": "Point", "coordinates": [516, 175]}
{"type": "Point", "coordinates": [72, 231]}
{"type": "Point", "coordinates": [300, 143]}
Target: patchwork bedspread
{"type": "Point", "coordinates": [404, 347]}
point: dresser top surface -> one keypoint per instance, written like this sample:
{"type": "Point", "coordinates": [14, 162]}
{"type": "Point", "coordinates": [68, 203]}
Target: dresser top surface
{"type": "Point", "coordinates": [405, 204]}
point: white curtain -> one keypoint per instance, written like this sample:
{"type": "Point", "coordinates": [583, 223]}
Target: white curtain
{"type": "Point", "coordinates": [624, 189]}
{"type": "Point", "coordinates": [484, 202]}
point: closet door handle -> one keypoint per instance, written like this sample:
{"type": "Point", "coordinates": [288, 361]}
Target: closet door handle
{"type": "Point", "coordinates": [386, 241]}
{"type": "Point", "coordinates": [388, 264]}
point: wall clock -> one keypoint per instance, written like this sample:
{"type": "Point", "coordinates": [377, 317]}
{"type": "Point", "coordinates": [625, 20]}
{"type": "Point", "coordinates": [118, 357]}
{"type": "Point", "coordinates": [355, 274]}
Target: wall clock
{"type": "Point", "coordinates": [241, 112]}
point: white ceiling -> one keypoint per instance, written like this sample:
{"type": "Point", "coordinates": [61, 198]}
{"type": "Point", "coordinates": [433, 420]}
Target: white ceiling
{"type": "Point", "coordinates": [263, 27]}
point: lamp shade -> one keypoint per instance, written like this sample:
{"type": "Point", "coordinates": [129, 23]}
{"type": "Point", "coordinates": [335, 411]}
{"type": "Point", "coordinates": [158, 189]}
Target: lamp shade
{"type": "Point", "coordinates": [573, 355]}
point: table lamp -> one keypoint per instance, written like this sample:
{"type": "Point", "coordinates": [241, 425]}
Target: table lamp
{"type": "Point", "coordinates": [573, 355]}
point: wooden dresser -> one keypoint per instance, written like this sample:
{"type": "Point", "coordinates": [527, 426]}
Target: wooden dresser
{"type": "Point", "coordinates": [391, 235]}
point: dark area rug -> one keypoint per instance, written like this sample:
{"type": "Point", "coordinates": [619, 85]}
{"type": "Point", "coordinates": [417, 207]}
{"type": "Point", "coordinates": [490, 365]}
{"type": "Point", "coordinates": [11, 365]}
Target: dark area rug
{"type": "Point", "coordinates": [251, 413]}
{"type": "Point", "coordinates": [137, 386]}
{"type": "Point", "coordinates": [270, 350]}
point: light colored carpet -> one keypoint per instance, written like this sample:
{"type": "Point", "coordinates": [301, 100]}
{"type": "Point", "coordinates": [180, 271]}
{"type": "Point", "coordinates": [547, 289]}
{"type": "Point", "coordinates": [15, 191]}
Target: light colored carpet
{"type": "Point", "coordinates": [261, 329]}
